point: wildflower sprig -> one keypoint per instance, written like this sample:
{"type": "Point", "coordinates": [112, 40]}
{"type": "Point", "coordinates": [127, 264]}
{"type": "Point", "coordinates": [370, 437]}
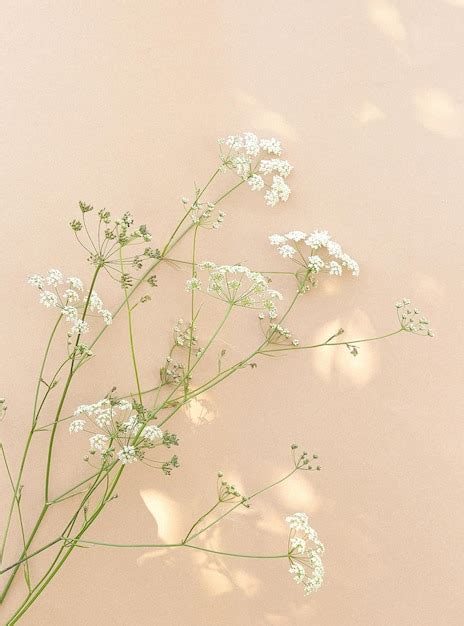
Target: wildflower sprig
{"type": "Point", "coordinates": [240, 286]}
{"type": "Point", "coordinates": [314, 254]}
{"type": "Point", "coordinates": [411, 319]}
{"type": "Point", "coordinates": [124, 432]}
{"type": "Point", "coordinates": [244, 155]}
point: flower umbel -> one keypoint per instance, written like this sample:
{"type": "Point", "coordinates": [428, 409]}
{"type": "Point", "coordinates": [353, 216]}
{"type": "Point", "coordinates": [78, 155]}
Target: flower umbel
{"type": "Point", "coordinates": [243, 154]}
{"type": "Point", "coordinates": [304, 553]}
{"type": "Point", "coordinates": [325, 255]}
{"type": "Point", "coordinates": [240, 286]}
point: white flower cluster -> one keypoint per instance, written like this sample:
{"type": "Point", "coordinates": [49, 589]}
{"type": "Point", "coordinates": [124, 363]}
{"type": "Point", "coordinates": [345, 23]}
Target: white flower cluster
{"type": "Point", "coordinates": [117, 426]}
{"type": "Point", "coordinates": [325, 253]}
{"type": "Point", "coordinates": [411, 319]}
{"type": "Point", "coordinates": [305, 550]}
{"type": "Point", "coordinates": [239, 286]}
{"type": "Point", "coordinates": [244, 154]}
{"type": "Point", "coordinates": [68, 298]}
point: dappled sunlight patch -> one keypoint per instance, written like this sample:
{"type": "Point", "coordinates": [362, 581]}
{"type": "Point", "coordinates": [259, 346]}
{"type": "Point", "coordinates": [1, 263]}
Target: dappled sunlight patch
{"type": "Point", "coordinates": [369, 113]}
{"type": "Point", "coordinates": [263, 118]}
{"type": "Point", "coordinates": [438, 112]}
{"type": "Point", "coordinates": [247, 583]}
{"type": "Point", "coordinates": [165, 512]}
{"type": "Point", "coordinates": [387, 18]}
{"type": "Point", "coordinates": [299, 494]}
{"type": "Point", "coordinates": [271, 522]}
{"type": "Point", "coordinates": [156, 554]}
{"type": "Point", "coordinates": [358, 363]}
{"type": "Point", "coordinates": [215, 582]}
{"type": "Point", "coordinates": [201, 410]}
{"type": "Point", "coordinates": [362, 367]}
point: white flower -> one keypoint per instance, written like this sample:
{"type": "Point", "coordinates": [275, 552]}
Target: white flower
{"type": "Point", "coordinates": [295, 235]}
{"type": "Point", "coordinates": [95, 302]}
{"type": "Point", "coordinates": [243, 155]}
{"type": "Point", "coordinates": [277, 240]}
{"type": "Point", "coordinates": [48, 299]}
{"type": "Point", "coordinates": [280, 187]}
{"type": "Point", "coordinates": [127, 454]}
{"type": "Point", "coordinates": [318, 239]}
{"type": "Point", "coordinates": [240, 286]}
{"type": "Point", "coordinates": [131, 423]}
{"type": "Point", "coordinates": [107, 316]}
{"type": "Point", "coordinates": [334, 248]}
{"type": "Point", "coordinates": [79, 327]}
{"type": "Point", "coordinates": [256, 182]}
{"type": "Point", "coordinates": [335, 269]}
{"type": "Point", "coordinates": [298, 544]}
{"type": "Point", "coordinates": [76, 283]}
{"type": "Point", "coordinates": [298, 521]}
{"type": "Point", "coordinates": [315, 263]}
{"type": "Point", "coordinates": [70, 313]}
{"type": "Point", "coordinates": [98, 441]}
{"type": "Point", "coordinates": [70, 295]}
{"type": "Point", "coordinates": [298, 572]}
{"type": "Point", "coordinates": [124, 405]}
{"type": "Point", "coordinates": [267, 166]}
{"type": "Point", "coordinates": [152, 432]}
{"type": "Point", "coordinates": [54, 277]}
{"type": "Point", "coordinates": [103, 418]}
{"type": "Point", "coordinates": [76, 425]}
{"type": "Point", "coordinates": [328, 251]}
{"type": "Point", "coordinates": [272, 146]}
{"type": "Point", "coordinates": [287, 251]}
{"type": "Point", "coordinates": [305, 553]}
{"type": "Point", "coordinates": [36, 281]}
{"type": "Point", "coordinates": [350, 263]}
{"type": "Point", "coordinates": [193, 284]}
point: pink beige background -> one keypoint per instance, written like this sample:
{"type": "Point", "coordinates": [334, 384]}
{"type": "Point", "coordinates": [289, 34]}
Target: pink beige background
{"type": "Point", "coordinates": [120, 104]}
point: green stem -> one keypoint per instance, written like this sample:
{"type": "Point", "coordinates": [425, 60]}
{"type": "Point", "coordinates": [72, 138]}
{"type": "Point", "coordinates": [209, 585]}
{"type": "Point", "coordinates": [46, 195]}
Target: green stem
{"type": "Point", "coordinates": [65, 392]}
{"type": "Point", "coordinates": [29, 438]}
{"type": "Point", "coordinates": [253, 495]}
{"type": "Point", "coordinates": [184, 545]}
{"type": "Point", "coordinates": [131, 334]}
{"type": "Point", "coordinates": [336, 343]}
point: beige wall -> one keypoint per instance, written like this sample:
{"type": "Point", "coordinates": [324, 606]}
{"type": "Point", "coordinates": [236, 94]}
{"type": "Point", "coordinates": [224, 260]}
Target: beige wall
{"type": "Point", "coordinates": [120, 104]}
